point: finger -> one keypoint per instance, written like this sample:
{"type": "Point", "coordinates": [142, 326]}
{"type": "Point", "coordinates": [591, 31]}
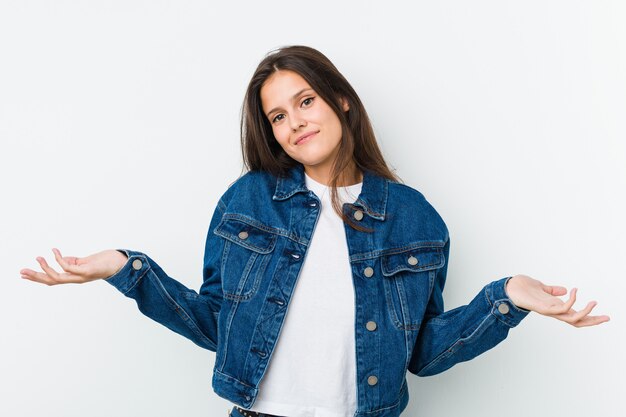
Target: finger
{"type": "Point", "coordinates": [44, 278]}
{"type": "Point", "coordinates": [564, 308]}
{"type": "Point", "coordinates": [35, 276]}
{"type": "Point", "coordinates": [579, 319]}
{"type": "Point", "coordinates": [592, 321]}
{"type": "Point", "coordinates": [555, 290]}
{"type": "Point", "coordinates": [577, 316]}
{"type": "Point", "coordinates": [54, 277]}
{"type": "Point", "coordinates": [47, 269]}
{"type": "Point", "coordinates": [24, 271]}
{"type": "Point", "coordinates": [68, 267]}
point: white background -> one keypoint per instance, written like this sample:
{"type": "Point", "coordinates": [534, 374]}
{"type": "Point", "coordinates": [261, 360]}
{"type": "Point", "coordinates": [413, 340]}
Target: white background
{"type": "Point", "coordinates": [119, 128]}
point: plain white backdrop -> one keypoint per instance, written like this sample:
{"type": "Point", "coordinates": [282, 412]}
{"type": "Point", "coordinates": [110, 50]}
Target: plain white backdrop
{"type": "Point", "coordinates": [119, 128]}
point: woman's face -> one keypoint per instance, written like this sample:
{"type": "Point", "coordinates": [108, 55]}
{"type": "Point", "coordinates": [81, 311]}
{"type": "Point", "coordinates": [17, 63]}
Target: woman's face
{"type": "Point", "coordinates": [303, 124]}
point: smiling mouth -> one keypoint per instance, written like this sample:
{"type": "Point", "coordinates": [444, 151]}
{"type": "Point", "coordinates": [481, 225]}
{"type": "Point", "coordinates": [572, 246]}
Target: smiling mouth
{"type": "Point", "coordinates": [305, 138]}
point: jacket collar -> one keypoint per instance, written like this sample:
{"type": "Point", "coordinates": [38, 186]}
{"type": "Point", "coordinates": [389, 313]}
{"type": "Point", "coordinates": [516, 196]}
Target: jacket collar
{"type": "Point", "coordinates": [372, 200]}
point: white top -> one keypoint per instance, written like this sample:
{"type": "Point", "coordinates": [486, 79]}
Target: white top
{"type": "Point", "coordinates": [312, 371]}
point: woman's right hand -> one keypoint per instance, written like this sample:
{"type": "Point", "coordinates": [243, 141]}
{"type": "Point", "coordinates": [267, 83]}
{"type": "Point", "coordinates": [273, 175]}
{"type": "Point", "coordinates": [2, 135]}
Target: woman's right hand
{"type": "Point", "coordinates": [77, 270]}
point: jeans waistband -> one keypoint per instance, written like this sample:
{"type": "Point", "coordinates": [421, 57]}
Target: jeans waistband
{"type": "Point", "coordinates": [242, 412]}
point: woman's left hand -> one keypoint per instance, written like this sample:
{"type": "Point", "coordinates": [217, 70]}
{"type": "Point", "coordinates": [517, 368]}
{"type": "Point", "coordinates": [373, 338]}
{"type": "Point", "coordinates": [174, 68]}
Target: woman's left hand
{"type": "Point", "coordinates": [530, 294]}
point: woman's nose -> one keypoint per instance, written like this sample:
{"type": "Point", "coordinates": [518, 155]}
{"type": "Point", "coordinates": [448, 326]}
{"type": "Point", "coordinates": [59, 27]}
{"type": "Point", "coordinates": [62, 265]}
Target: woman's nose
{"type": "Point", "coordinates": [297, 122]}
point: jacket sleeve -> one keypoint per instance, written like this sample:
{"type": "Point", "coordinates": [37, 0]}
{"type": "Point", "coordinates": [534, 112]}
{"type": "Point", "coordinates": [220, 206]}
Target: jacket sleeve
{"type": "Point", "coordinates": [187, 312]}
{"type": "Point", "coordinates": [458, 335]}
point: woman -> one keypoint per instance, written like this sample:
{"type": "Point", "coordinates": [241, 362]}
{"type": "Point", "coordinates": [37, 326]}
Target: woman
{"type": "Point", "coordinates": [320, 207]}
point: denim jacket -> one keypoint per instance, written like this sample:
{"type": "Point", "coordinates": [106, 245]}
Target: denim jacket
{"type": "Point", "coordinates": [257, 241]}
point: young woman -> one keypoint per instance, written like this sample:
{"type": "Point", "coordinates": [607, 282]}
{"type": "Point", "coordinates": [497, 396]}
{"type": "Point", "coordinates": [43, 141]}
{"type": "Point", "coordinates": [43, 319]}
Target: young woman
{"type": "Point", "coordinates": [319, 208]}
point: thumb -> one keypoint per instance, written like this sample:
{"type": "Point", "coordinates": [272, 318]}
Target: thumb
{"type": "Point", "coordinates": [67, 266]}
{"type": "Point", "coordinates": [555, 290]}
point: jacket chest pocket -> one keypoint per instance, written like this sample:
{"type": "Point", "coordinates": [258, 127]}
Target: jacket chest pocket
{"type": "Point", "coordinates": [247, 252]}
{"type": "Point", "coordinates": [408, 278]}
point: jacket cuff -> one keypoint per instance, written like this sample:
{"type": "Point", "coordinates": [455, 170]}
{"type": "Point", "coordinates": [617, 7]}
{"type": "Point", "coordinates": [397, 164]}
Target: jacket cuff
{"type": "Point", "coordinates": [501, 305]}
{"type": "Point", "coordinates": [133, 270]}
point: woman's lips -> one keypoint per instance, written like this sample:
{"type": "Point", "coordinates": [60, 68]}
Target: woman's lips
{"type": "Point", "coordinates": [305, 138]}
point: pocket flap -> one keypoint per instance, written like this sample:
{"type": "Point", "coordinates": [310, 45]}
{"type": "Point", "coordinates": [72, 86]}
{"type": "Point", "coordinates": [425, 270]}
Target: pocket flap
{"type": "Point", "coordinates": [247, 235]}
{"type": "Point", "coordinates": [414, 260]}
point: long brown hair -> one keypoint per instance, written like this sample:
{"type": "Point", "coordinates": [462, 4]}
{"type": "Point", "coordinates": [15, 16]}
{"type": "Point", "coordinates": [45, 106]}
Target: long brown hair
{"type": "Point", "coordinates": [262, 152]}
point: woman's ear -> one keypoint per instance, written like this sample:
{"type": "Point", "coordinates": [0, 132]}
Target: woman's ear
{"type": "Point", "coordinates": [344, 104]}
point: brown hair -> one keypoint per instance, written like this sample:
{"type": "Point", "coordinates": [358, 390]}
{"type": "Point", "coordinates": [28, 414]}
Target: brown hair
{"type": "Point", "coordinates": [262, 152]}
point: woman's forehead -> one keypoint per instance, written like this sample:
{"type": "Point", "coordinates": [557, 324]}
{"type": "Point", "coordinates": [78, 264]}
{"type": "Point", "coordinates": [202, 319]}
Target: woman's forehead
{"type": "Point", "coordinates": [282, 86]}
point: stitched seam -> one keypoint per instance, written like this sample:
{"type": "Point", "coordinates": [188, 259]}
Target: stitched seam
{"type": "Point", "coordinates": [492, 307]}
{"type": "Point", "coordinates": [273, 230]}
{"type": "Point", "coordinates": [378, 410]}
{"type": "Point", "coordinates": [137, 281]}
{"type": "Point", "coordinates": [264, 250]}
{"type": "Point", "coordinates": [435, 244]}
{"type": "Point", "coordinates": [189, 322]}
{"type": "Point", "coordinates": [233, 379]}
{"type": "Point", "coordinates": [243, 279]}
{"type": "Point", "coordinates": [225, 342]}
{"type": "Point", "coordinates": [223, 261]}
{"type": "Point", "coordinates": [255, 284]}
{"type": "Point", "coordinates": [403, 306]}
{"type": "Point", "coordinates": [450, 350]}
{"type": "Point", "coordinates": [421, 268]}
{"type": "Point", "coordinates": [390, 305]}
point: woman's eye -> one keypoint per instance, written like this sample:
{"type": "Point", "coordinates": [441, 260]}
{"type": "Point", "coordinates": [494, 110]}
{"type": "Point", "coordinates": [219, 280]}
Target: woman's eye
{"type": "Point", "coordinates": [278, 118]}
{"type": "Point", "coordinates": [307, 101]}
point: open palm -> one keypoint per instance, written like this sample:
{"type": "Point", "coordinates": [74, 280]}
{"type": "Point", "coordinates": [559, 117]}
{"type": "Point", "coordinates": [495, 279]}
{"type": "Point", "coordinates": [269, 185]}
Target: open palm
{"type": "Point", "coordinates": [77, 270]}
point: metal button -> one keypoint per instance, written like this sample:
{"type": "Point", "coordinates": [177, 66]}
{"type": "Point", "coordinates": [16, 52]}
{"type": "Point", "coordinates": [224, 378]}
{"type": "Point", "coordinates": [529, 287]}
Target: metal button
{"type": "Point", "coordinates": [295, 256]}
{"type": "Point", "coordinates": [503, 308]}
{"type": "Point", "coordinates": [372, 380]}
{"type": "Point", "coordinates": [243, 235]}
{"type": "Point", "coordinates": [358, 215]}
{"type": "Point", "coordinates": [137, 264]}
{"type": "Point", "coordinates": [368, 272]}
{"type": "Point", "coordinates": [412, 260]}
{"type": "Point", "coordinates": [371, 326]}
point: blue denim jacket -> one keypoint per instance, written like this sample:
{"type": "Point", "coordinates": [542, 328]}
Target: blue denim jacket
{"type": "Point", "coordinates": [257, 241]}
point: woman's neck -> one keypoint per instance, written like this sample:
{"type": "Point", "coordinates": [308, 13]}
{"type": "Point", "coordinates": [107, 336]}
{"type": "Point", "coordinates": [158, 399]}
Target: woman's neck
{"type": "Point", "coordinates": [350, 176]}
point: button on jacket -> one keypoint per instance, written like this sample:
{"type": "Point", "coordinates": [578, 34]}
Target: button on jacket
{"type": "Point", "coordinates": [257, 241]}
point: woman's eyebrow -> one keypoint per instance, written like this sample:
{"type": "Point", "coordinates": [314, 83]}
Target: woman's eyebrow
{"type": "Point", "coordinates": [292, 98]}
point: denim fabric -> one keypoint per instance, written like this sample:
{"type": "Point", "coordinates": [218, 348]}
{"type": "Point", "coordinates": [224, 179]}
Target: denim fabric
{"type": "Point", "coordinates": [257, 240]}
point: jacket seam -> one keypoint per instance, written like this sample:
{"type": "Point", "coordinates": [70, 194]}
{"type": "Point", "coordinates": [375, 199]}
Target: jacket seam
{"type": "Point", "coordinates": [132, 287]}
{"type": "Point", "coordinates": [450, 351]}
{"type": "Point", "coordinates": [189, 322]}
{"type": "Point", "coordinates": [423, 244]}
{"type": "Point", "coordinates": [491, 303]}
{"type": "Point", "coordinates": [261, 226]}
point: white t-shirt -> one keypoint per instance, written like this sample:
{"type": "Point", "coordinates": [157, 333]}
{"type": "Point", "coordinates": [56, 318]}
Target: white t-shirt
{"type": "Point", "coordinates": [312, 372]}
